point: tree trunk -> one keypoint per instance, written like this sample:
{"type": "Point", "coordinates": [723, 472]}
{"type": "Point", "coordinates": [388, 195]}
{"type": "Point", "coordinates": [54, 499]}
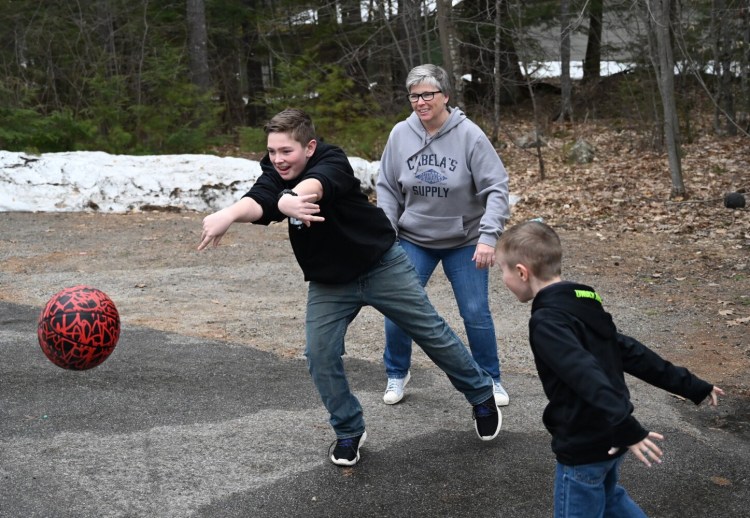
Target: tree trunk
{"type": "Point", "coordinates": [351, 13]}
{"type": "Point", "coordinates": [725, 61]}
{"type": "Point", "coordinates": [715, 31]}
{"type": "Point", "coordinates": [198, 44]}
{"type": "Point", "coordinates": [409, 16]}
{"type": "Point", "coordinates": [566, 106]}
{"type": "Point", "coordinates": [382, 60]}
{"type": "Point", "coordinates": [721, 32]}
{"type": "Point", "coordinates": [745, 64]}
{"type": "Point", "coordinates": [661, 23]}
{"type": "Point", "coordinates": [498, 76]}
{"type": "Point", "coordinates": [478, 51]}
{"type": "Point", "coordinates": [537, 132]}
{"type": "Point", "coordinates": [593, 61]}
{"type": "Point", "coordinates": [449, 46]}
{"type": "Point", "coordinates": [106, 30]}
{"type": "Point", "coordinates": [255, 111]}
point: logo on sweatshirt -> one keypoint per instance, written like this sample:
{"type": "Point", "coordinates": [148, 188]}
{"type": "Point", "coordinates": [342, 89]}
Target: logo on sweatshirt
{"type": "Point", "coordinates": [431, 177]}
{"type": "Point", "coordinates": [586, 294]}
{"type": "Point", "coordinates": [443, 162]}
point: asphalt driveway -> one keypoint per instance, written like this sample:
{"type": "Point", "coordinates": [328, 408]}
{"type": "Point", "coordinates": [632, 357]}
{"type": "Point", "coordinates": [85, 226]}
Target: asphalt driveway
{"type": "Point", "coordinates": [175, 426]}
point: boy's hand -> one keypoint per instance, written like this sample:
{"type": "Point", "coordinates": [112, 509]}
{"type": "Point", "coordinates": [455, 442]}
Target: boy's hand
{"type": "Point", "coordinates": [214, 227]}
{"type": "Point", "coordinates": [645, 449]}
{"type": "Point", "coordinates": [714, 396]}
{"type": "Point", "coordinates": [301, 207]}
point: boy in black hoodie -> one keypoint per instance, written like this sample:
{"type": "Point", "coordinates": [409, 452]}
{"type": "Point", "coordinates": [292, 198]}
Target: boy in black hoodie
{"type": "Point", "coordinates": [581, 358]}
{"type": "Point", "coordinates": [348, 252]}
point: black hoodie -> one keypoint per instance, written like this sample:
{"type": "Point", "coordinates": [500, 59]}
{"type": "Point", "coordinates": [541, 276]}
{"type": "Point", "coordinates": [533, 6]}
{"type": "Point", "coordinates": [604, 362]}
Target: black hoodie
{"type": "Point", "coordinates": [581, 359]}
{"type": "Point", "coordinates": [355, 233]}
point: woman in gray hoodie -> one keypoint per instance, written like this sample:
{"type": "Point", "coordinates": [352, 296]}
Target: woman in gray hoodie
{"type": "Point", "coordinates": [445, 191]}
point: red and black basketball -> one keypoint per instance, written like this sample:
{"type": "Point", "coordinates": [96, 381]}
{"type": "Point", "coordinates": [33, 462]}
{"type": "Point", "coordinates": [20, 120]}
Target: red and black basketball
{"type": "Point", "coordinates": [79, 328]}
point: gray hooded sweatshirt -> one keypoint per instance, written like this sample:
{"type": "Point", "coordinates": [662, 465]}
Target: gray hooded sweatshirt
{"type": "Point", "coordinates": [443, 191]}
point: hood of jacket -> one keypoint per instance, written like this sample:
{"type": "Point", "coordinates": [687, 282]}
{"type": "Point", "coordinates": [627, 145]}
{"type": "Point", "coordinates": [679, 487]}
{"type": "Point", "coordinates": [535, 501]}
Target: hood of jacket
{"type": "Point", "coordinates": [579, 300]}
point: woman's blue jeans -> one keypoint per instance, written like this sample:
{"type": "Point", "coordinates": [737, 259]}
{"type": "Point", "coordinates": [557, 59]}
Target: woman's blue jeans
{"type": "Point", "coordinates": [592, 491]}
{"type": "Point", "coordinates": [393, 288]}
{"type": "Point", "coordinates": [471, 289]}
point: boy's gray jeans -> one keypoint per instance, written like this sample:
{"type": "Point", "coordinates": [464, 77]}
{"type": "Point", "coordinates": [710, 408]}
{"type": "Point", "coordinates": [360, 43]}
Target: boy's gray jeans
{"type": "Point", "coordinates": [393, 288]}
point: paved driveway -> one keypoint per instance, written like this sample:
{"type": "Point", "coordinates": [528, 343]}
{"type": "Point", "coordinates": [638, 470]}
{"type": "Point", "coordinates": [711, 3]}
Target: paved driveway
{"type": "Point", "coordinates": [171, 426]}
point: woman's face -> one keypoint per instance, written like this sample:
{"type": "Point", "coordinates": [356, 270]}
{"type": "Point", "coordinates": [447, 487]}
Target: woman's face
{"type": "Point", "coordinates": [432, 112]}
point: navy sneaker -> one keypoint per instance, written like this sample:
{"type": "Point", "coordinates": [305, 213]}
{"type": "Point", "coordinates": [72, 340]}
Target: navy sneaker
{"type": "Point", "coordinates": [346, 452]}
{"type": "Point", "coordinates": [487, 419]}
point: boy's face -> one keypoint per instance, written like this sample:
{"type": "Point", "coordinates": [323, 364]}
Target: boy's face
{"type": "Point", "coordinates": [288, 156]}
{"type": "Point", "coordinates": [516, 279]}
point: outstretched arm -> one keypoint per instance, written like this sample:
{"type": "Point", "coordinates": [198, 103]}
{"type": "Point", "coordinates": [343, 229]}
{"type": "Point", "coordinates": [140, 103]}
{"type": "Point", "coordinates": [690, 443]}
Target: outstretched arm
{"type": "Point", "coordinates": [643, 363]}
{"type": "Point", "coordinates": [647, 451]}
{"type": "Point", "coordinates": [245, 210]}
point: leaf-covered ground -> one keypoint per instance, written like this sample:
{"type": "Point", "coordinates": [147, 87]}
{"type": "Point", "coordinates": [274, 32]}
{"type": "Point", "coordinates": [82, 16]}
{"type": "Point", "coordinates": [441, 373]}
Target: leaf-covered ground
{"type": "Point", "coordinates": [690, 254]}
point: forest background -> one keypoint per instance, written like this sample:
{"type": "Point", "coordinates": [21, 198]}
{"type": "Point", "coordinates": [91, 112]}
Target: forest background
{"type": "Point", "coordinates": [138, 76]}
{"type": "Point", "coordinates": [202, 76]}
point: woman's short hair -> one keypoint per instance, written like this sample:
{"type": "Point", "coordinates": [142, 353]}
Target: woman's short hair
{"type": "Point", "coordinates": [430, 74]}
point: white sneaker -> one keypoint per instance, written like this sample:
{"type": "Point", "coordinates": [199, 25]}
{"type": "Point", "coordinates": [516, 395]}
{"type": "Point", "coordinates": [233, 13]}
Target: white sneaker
{"type": "Point", "coordinates": [394, 392]}
{"type": "Point", "coordinates": [501, 397]}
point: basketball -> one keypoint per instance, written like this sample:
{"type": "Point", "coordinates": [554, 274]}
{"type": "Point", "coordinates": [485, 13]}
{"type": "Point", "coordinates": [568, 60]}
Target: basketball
{"type": "Point", "coordinates": [79, 328]}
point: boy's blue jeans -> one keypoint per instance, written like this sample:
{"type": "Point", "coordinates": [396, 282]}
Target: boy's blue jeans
{"type": "Point", "coordinates": [592, 491]}
{"type": "Point", "coordinates": [393, 288]}
{"type": "Point", "coordinates": [470, 287]}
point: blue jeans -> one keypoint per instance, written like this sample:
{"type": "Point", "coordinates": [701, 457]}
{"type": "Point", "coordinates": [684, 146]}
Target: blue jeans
{"type": "Point", "coordinates": [471, 289]}
{"type": "Point", "coordinates": [592, 491]}
{"type": "Point", "coordinates": [391, 287]}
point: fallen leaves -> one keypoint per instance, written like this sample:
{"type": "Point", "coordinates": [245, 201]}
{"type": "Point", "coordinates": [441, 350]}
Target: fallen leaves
{"type": "Point", "coordinates": [630, 192]}
{"type": "Point", "coordinates": [701, 245]}
{"type": "Point", "coordinates": [738, 321]}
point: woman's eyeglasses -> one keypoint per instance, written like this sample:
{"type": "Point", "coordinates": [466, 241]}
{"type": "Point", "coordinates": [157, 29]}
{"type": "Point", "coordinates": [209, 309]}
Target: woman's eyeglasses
{"type": "Point", "coordinates": [426, 96]}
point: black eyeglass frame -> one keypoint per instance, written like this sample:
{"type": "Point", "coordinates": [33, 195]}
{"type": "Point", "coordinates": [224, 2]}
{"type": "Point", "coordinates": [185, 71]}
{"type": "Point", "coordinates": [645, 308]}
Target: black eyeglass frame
{"type": "Point", "coordinates": [414, 98]}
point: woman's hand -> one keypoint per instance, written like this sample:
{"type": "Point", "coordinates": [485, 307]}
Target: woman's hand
{"type": "Point", "coordinates": [484, 256]}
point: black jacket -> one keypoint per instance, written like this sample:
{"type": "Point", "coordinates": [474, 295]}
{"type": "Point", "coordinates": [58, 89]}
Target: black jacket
{"type": "Point", "coordinates": [581, 359]}
{"type": "Point", "coordinates": [355, 233]}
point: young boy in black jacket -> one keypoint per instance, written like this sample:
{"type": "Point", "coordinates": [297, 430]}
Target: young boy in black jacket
{"type": "Point", "coordinates": [348, 252]}
{"type": "Point", "coordinates": [581, 358]}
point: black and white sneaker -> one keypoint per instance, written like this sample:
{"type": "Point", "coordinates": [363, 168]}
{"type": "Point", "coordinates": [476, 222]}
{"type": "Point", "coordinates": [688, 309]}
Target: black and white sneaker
{"type": "Point", "coordinates": [487, 419]}
{"type": "Point", "coordinates": [346, 452]}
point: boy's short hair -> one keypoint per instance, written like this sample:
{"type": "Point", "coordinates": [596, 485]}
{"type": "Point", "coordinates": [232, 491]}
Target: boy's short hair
{"type": "Point", "coordinates": [535, 245]}
{"type": "Point", "coordinates": [294, 122]}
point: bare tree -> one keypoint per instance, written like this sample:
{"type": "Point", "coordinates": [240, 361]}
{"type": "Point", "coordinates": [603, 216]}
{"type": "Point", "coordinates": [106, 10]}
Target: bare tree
{"type": "Point", "coordinates": [449, 46]}
{"type": "Point", "coordinates": [105, 25]}
{"type": "Point", "coordinates": [566, 89]}
{"type": "Point", "coordinates": [255, 110]}
{"type": "Point", "coordinates": [592, 61]}
{"type": "Point", "coordinates": [722, 44]}
{"type": "Point", "coordinates": [745, 62]}
{"type": "Point", "coordinates": [498, 77]}
{"type": "Point", "coordinates": [351, 13]}
{"type": "Point", "coordinates": [198, 44]}
{"type": "Point", "coordinates": [659, 15]}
